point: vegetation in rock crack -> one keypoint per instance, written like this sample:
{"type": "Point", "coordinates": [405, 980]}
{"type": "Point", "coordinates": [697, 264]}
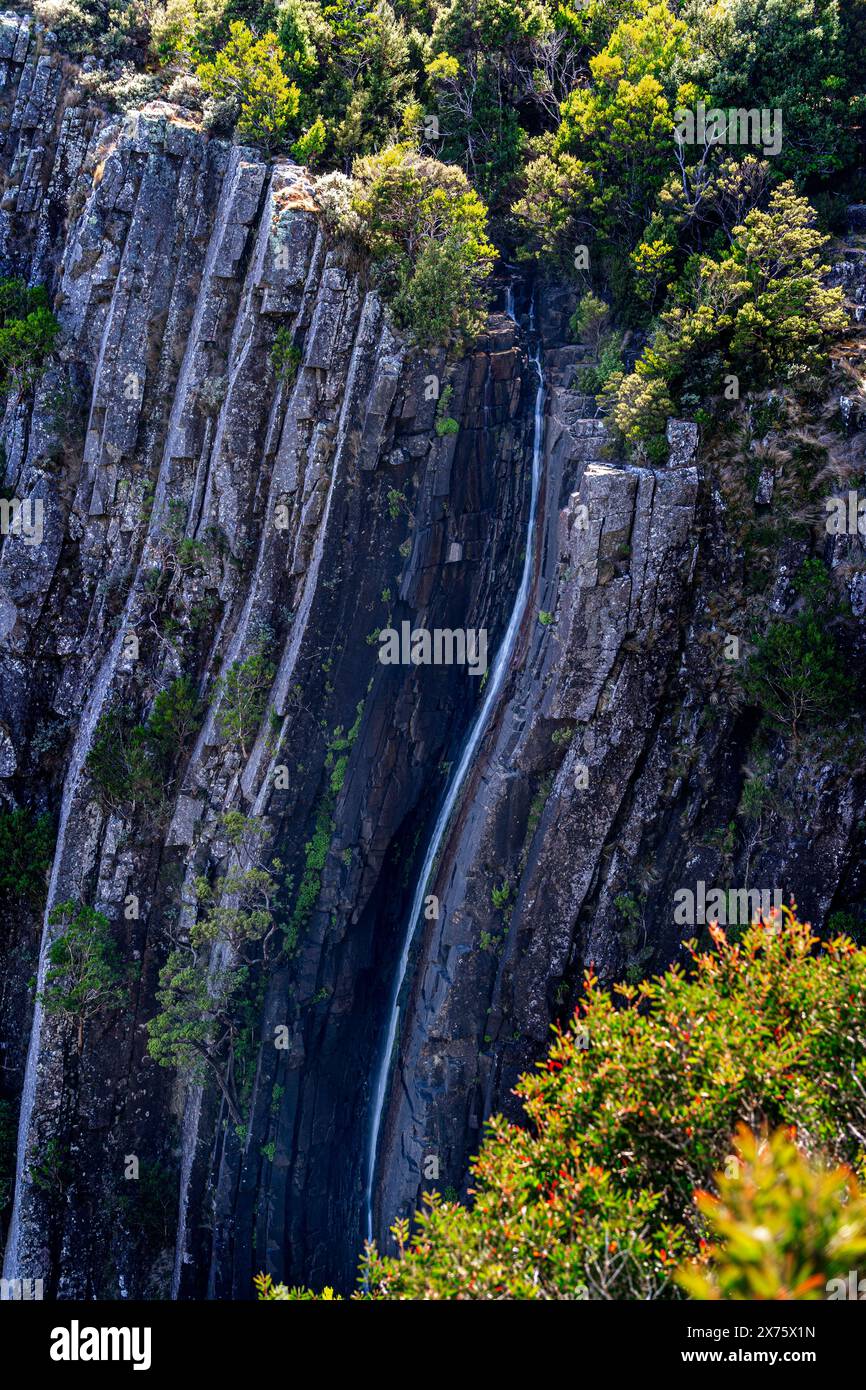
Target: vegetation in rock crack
{"type": "Point", "coordinates": [130, 761]}
{"type": "Point", "coordinates": [205, 1022]}
{"type": "Point", "coordinates": [26, 847]}
{"type": "Point", "coordinates": [85, 974]}
{"type": "Point", "coordinates": [201, 1017]}
{"type": "Point", "coordinates": [286, 356]}
{"type": "Point", "coordinates": [239, 906]}
{"type": "Point", "coordinates": [243, 696]}
{"type": "Point", "coordinates": [28, 334]}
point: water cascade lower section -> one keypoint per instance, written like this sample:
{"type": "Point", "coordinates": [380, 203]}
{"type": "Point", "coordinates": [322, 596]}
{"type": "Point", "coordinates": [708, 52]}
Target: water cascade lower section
{"type": "Point", "coordinates": [496, 679]}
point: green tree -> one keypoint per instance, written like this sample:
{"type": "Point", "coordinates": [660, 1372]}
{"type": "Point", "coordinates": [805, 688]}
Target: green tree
{"type": "Point", "coordinates": [352, 63]}
{"type": "Point", "coordinates": [243, 695]}
{"type": "Point", "coordinates": [599, 175]}
{"type": "Point", "coordinates": [28, 334]}
{"type": "Point", "coordinates": [427, 233]}
{"type": "Point", "coordinates": [797, 56]}
{"type": "Point", "coordinates": [762, 309]}
{"type": "Point", "coordinates": [174, 720]}
{"type": "Point", "coordinates": [239, 908]}
{"type": "Point", "coordinates": [247, 73]}
{"type": "Point", "coordinates": [797, 674]}
{"type": "Point", "coordinates": [485, 63]}
{"type": "Point", "coordinates": [633, 1110]}
{"type": "Point", "coordinates": [182, 28]}
{"type": "Point", "coordinates": [85, 975]}
{"type": "Point", "coordinates": [26, 848]}
{"type": "Point", "coordinates": [199, 1019]}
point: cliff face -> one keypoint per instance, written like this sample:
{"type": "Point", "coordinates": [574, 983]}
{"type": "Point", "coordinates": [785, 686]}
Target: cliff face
{"type": "Point", "coordinates": [180, 261]}
{"type": "Point", "coordinates": [324, 505]}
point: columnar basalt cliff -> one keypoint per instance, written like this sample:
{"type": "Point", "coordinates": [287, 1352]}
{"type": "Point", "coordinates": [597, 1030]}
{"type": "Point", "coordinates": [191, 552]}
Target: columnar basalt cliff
{"type": "Point", "coordinates": [202, 504]}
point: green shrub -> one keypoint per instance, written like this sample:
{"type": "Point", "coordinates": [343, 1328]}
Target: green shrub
{"type": "Point", "coordinates": [130, 761]}
{"type": "Point", "coordinates": [784, 1228]}
{"type": "Point", "coordinates": [85, 974]}
{"type": "Point", "coordinates": [199, 1020]}
{"type": "Point", "coordinates": [174, 720]}
{"type": "Point", "coordinates": [240, 907]}
{"type": "Point", "coordinates": [119, 760]}
{"type": "Point", "coordinates": [427, 233]}
{"type": "Point", "coordinates": [269, 1292]}
{"type": "Point", "coordinates": [762, 310]}
{"type": "Point", "coordinates": [243, 693]}
{"type": "Point", "coordinates": [179, 28]}
{"type": "Point", "coordinates": [309, 146]}
{"type": "Point", "coordinates": [285, 356]}
{"type": "Point", "coordinates": [594, 1195]}
{"type": "Point", "coordinates": [500, 896]}
{"type": "Point", "coordinates": [590, 320]}
{"type": "Point", "coordinates": [26, 849]}
{"type": "Point", "coordinates": [49, 1172]}
{"type": "Point", "coordinates": [247, 74]}
{"type": "Point", "coordinates": [797, 672]}
{"type": "Point", "coordinates": [316, 852]}
{"type": "Point", "coordinates": [594, 379]}
{"type": "Point", "coordinates": [28, 333]}
{"type": "Point", "coordinates": [444, 423]}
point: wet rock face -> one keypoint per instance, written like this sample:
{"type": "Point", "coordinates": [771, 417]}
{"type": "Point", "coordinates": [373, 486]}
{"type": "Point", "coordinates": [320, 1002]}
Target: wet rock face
{"type": "Point", "coordinates": [202, 502]}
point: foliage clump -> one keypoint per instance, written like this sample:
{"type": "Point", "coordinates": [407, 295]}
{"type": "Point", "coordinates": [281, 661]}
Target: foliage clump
{"type": "Point", "coordinates": [85, 974]}
{"type": "Point", "coordinates": [797, 672]}
{"type": "Point", "coordinates": [243, 695]}
{"type": "Point", "coordinates": [26, 847]}
{"type": "Point", "coordinates": [783, 1228]}
{"type": "Point", "coordinates": [239, 907]}
{"type": "Point", "coordinates": [28, 334]}
{"type": "Point", "coordinates": [201, 1016]}
{"type": "Point", "coordinates": [246, 78]}
{"type": "Point", "coordinates": [130, 761]}
{"type": "Point", "coordinates": [426, 231]}
{"type": "Point", "coordinates": [594, 1195]}
{"type": "Point", "coordinates": [761, 310]}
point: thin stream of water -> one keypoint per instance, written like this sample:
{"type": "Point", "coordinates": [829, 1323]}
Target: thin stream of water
{"type": "Point", "coordinates": [495, 681]}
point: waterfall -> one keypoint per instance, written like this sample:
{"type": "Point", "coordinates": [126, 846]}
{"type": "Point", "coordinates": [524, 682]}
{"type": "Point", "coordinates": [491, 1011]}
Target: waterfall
{"type": "Point", "coordinates": [495, 681]}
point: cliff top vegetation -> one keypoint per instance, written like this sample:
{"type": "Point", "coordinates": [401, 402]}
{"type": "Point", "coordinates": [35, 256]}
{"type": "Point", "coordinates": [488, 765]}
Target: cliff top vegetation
{"type": "Point", "coordinates": [582, 131]}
